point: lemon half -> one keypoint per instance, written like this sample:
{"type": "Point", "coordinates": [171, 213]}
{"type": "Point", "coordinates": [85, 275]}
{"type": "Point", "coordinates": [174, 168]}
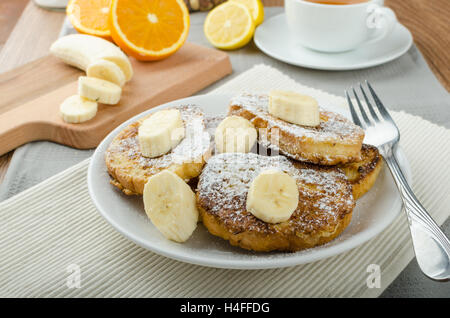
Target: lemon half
{"type": "Point", "coordinates": [256, 9]}
{"type": "Point", "coordinates": [229, 26]}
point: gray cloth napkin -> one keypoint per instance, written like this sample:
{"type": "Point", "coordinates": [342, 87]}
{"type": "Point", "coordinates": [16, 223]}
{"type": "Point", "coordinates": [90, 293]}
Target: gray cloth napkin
{"type": "Point", "coordinates": [406, 84]}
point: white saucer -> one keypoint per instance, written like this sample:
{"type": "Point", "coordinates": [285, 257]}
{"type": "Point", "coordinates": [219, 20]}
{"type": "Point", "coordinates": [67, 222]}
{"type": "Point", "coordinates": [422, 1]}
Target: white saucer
{"type": "Point", "coordinates": [274, 38]}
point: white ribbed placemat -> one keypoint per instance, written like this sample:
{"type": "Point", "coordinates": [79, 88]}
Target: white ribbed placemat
{"type": "Point", "coordinates": [47, 229]}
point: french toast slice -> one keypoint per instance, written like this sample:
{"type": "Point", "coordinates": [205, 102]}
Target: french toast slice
{"type": "Point", "coordinates": [363, 174]}
{"type": "Point", "coordinates": [335, 141]}
{"type": "Point", "coordinates": [129, 169]}
{"type": "Point", "coordinates": [325, 203]}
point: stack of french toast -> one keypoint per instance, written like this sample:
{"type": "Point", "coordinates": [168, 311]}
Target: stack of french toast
{"type": "Point", "coordinates": [277, 173]}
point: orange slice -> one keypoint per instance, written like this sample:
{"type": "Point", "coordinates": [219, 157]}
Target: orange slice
{"type": "Point", "coordinates": [149, 29]}
{"type": "Point", "coordinates": [90, 17]}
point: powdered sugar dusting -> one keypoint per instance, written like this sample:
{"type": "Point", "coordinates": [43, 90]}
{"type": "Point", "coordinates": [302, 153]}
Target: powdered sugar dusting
{"type": "Point", "coordinates": [190, 150]}
{"type": "Point", "coordinates": [325, 195]}
{"type": "Point", "coordinates": [211, 124]}
{"type": "Point", "coordinates": [332, 126]}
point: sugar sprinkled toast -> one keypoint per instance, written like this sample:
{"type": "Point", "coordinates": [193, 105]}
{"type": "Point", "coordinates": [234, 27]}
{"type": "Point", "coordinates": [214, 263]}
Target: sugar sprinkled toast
{"type": "Point", "coordinates": [335, 141]}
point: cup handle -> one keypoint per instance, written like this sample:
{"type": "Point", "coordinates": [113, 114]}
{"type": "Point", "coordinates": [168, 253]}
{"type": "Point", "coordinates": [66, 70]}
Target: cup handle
{"type": "Point", "coordinates": [381, 22]}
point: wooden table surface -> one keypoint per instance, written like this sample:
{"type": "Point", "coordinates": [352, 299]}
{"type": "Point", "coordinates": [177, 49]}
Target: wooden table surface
{"type": "Point", "coordinates": [22, 38]}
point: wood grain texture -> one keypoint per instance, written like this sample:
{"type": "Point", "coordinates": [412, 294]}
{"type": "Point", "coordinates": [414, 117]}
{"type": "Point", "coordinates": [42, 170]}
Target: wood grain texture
{"type": "Point", "coordinates": [34, 31]}
{"type": "Point", "coordinates": [33, 113]}
{"type": "Point", "coordinates": [427, 20]}
{"type": "Point", "coordinates": [10, 11]}
{"type": "Point", "coordinates": [4, 164]}
{"type": "Point", "coordinates": [30, 39]}
{"type": "Point", "coordinates": [273, 3]}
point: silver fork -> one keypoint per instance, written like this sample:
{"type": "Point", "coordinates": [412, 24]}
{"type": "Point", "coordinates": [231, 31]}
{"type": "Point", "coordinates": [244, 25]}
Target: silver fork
{"type": "Point", "coordinates": [431, 246]}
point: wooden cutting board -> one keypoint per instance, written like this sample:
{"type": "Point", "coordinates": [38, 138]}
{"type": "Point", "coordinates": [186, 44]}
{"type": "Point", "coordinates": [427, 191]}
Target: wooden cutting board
{"type": "Point", "coordinates": [31, 96]}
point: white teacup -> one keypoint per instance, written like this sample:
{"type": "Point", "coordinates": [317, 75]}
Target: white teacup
{"type": "Point", "coordinates": [338, 28]}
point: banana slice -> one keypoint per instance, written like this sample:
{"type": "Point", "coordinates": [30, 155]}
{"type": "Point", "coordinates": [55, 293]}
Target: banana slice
{"type": "Point", "coordinates": [273, 196]}
{"type": "Point", "coordinates": [99, 90]}
{"type": "Point", "coordinates": [76, 109]}
{"type": "Point", "coordinates": [80, 50]}
{"type": "Point", "coordinates": [171, 206]}
{"type": "Point", "coordinates": [294, 108]}
{"type": "Point", "coordinates": [161, 132]}
{"type": "Point", "coordinates": [235, 134]}
{"type": "Point", "coordinates": [124, 65]}
{"type": "Point", "coordinates": [107, 71]}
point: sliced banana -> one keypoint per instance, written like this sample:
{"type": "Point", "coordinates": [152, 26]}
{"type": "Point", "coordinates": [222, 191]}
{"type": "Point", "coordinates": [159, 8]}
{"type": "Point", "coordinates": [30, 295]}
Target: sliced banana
{"type": "Point", "coordinates": [294, 108]}
{"type": "Point", "coordinates": [80, 50]}
{"type": "Point", "coordinates": [161, 132]}
{"type": "Point", "coordinates": [76, 109]}
{"type": "Point", "coordinates": [124, 65]}
{"type": "Point", "coordinates": [99, 90]}
{"type": "Point", "coordinates": [273, 196]}
{"type": "Point", "coordinates": [171, 206]}
{"type": "Point", "coordinates": [107, 71]}
{"type": "Point", "coordinates": [235, 134]}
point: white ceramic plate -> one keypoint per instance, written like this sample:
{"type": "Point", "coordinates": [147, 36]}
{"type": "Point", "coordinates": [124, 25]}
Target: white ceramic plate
{"type": "Point", "coordinates": [373, 213]}
{"type": "Point", "coordinates": [274, 38]}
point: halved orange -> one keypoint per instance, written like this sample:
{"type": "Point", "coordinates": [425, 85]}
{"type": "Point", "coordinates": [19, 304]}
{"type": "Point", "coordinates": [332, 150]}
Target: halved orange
{"type": "Point", "coordinates": [90, 16]}
{"type": "Point", "coordinates": [149, 29]}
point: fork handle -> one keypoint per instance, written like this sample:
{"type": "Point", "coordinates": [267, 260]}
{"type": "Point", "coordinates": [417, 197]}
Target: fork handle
{"type": "Point", "coordinates": [431, 246]}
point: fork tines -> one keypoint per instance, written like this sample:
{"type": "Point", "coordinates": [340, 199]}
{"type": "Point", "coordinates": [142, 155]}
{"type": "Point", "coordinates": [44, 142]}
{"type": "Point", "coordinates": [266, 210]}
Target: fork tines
{"type": "Point", "coordinates": [375, 118]}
